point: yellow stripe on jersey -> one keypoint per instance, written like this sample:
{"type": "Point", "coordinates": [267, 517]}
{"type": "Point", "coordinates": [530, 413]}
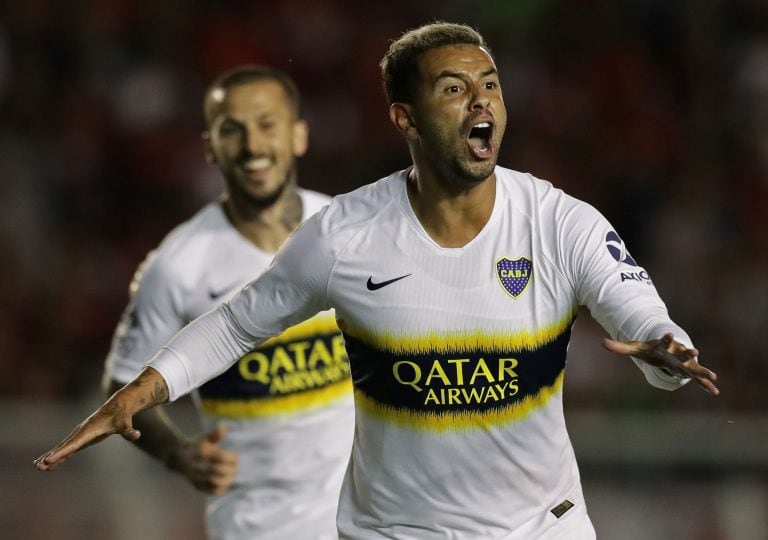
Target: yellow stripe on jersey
{"type": "Point", "coordinates": [457, 341]}
{"type": "Point", "coordinates": [286, 404]}
{"type": "Point", "coordinates": [451, 421]}
{"type": "Point", "coordinates": [320, 324]}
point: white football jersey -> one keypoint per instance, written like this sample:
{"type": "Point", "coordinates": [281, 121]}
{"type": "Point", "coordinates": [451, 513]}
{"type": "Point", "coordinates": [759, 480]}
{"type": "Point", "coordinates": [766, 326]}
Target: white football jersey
{"type": "Point", "coordinates": [457, 354]}
{"type": "Point", "coordinates": [287, 404]}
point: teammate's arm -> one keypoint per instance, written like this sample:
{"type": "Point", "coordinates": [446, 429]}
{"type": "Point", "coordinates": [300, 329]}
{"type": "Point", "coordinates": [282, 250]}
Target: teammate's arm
{"type": "Point", "coordinates": [201, 460]}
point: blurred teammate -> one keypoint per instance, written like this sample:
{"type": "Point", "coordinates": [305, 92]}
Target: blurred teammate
{"type": "Point", "coordinates": [455, 283]}
{"type": "Point", "coordinates": [280, 418]}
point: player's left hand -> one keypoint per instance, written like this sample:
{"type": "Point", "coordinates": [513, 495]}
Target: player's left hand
{"type": "Point", "coordinates": [668, 354]}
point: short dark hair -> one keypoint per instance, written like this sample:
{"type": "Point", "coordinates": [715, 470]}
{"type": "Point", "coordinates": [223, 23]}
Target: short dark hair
{"type": "Point", "coordinates": [400, 68]}
{"type": "Point", "coordinates": [250, 73]}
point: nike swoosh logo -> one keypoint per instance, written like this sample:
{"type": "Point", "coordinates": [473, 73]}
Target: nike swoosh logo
{"type": "Point", "coordinates": [376, 286]}
{"type": "Point", "coordinates": [213, 295]}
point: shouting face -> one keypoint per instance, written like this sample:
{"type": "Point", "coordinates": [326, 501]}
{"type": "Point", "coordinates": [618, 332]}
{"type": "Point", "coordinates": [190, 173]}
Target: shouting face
{"type": "Point", "coordinates": [458, 113]}
{"type": "Point", "coordinates": [254, 136]}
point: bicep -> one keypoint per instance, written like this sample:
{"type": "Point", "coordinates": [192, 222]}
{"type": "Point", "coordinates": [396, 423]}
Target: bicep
{"type": "Point", "coordinates": [605, 277]}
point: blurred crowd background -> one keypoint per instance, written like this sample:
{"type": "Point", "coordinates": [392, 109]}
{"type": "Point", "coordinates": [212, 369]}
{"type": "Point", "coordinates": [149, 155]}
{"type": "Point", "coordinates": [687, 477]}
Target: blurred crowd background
{"type": "Point", "coordinates": [654, 111]}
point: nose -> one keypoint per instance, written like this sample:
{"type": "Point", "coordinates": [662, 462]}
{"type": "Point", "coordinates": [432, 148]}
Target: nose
{"type": "Point", "coordinates": [254, 141]}
{"type": "Point", "coordinates": [480, 100]}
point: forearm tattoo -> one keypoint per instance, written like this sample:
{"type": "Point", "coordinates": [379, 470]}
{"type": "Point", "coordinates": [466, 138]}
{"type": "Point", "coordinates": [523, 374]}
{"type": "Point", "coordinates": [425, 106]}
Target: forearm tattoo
{"type": "Point", "coordinates": [158, 395]}
{"type": "Point", "coordinates": [112, 408]}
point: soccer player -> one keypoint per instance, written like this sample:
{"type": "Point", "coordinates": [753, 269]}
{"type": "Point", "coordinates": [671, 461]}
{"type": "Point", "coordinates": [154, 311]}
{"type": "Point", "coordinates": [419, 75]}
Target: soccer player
{"type": "Point", "coordinates": [279, 419]}
{"type": "Point", "coordinates": [455, 282]}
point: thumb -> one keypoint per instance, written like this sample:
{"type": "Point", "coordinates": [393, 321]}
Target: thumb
{"type": "Point", "coordinates": [129, 433]}
{"type": "Point", "coordinates": [216, 435]}
{"type": "Point", "coordinates": [618, 347]}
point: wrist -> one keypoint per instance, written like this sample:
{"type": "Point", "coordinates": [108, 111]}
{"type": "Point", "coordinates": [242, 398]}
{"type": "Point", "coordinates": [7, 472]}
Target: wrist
{"type": "Point", "coordinates": [177, 450]}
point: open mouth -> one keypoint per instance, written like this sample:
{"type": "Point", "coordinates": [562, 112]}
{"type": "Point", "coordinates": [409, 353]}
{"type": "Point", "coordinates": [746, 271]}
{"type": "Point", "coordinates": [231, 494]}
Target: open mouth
{"type": "Point", "coordinates": [479, 140]}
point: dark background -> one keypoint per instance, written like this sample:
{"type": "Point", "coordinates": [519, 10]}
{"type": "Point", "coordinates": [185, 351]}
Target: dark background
{"type": "Point", "coordinates": [654, 111]}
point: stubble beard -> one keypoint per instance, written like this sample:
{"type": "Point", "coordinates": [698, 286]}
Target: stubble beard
{"type": "Point", "coordinates": [456, 163]}
{"type": "Point", "coordinates": [258, 202]}
{"type": "Point", "coordinates": [462, 170]}
{"type": "Point", "coordinates": [474, 173]}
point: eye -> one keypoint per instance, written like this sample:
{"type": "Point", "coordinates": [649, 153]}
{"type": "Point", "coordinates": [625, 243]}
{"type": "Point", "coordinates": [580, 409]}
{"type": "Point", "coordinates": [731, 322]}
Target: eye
{"type": "Point", "coordinates": [229, 129]}
{"type": "Point", "coordinates": [491, 85]}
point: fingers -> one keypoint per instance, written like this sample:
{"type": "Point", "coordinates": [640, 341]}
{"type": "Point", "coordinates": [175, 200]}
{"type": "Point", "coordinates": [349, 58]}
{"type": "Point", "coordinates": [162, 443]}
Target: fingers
{"type": "Point", "coordinates": [212, 469]}
{"type": "Point", "coordinates": [707, 385]}
{"type": "Point", "coordinates": [61, 452]}
{"type": "Point", "coordinates": [670, 355]}
{"type": "Point", "coordinates": [211, 451]}
{"type": "Point", "coordinates": [216, 473]}
{"type": "Point", "coordinates": [218, 434]}
{"type": "Point", "coordinates": [223, 478]}
{"type": "Point", "coordinates": [703, 376]}
{"type": "Point", "coordinates": [218, 456]}
{"type": "Point", "coordinates": [92, 430]}
{"type": "Point", "coordinates": [45, 463]}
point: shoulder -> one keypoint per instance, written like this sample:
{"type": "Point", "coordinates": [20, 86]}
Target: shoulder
{"type": "Point", "coordinates": [538, 197]}
{"type": "Point", "coordinates": [313, 201]}
{"type": "Point", "coordinates": [185, 247]}
{"type": "Point", "coordinates": [356, 209]}
{"type": "Point", "coordinates": [331, 230]}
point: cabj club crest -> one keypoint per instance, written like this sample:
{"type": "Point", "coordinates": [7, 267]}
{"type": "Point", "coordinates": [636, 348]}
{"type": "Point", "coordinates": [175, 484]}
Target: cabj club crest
{"type": "Point", "coordinates": [514, 274]}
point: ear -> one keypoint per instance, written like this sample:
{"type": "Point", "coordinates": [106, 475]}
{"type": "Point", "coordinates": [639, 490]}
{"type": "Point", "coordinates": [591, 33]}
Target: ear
{"type": "Point", "coordinates": [210, 157]}
{"type": "Point", "coordinates": [300, 136]}
{"type": "Point", "coordinates": [401, 116]}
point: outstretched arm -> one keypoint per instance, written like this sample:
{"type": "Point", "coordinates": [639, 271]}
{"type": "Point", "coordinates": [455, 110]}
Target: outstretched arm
{"type": "Point", "coordinates": [114, 416]}
{"type": "Point", "coordinates": [201, 460]}
{"type": "Point", "coordinates": [670, 356]}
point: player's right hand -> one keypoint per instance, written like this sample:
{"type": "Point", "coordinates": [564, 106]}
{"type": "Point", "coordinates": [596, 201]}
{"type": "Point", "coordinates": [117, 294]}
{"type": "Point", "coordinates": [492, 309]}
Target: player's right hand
{"type": "Point", "coordinates": [109, 419]}
{"type": "Point", "coordinates": [207, 466]}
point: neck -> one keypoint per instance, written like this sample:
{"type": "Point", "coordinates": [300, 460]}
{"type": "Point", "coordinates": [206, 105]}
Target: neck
{"type": "Point", "coordinates": [452, 214]}
{"type": "Point", "coordinates": [267, 227]}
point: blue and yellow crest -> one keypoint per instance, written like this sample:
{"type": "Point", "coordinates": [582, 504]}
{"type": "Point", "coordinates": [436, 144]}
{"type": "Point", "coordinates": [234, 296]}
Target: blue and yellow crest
{"type": "Point", "coordinates": [514, 275]}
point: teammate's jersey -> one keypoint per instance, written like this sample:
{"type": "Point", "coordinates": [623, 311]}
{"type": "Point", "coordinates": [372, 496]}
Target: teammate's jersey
{"type": "Point", "coordinates": [457, 354]}
{"type": "Point", "coordinates": [287, 404]}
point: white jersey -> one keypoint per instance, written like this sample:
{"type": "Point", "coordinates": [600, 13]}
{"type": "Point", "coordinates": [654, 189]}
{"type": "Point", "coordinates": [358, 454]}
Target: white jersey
{"type": "Point", "coordinates": [457, 354]}
{"type": "Point", "coordinates": [287, 404]}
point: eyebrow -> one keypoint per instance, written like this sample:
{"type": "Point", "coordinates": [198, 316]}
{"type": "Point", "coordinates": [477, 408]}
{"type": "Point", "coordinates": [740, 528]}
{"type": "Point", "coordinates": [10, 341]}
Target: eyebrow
{"type": "Point", "coordinates": [460, 75]}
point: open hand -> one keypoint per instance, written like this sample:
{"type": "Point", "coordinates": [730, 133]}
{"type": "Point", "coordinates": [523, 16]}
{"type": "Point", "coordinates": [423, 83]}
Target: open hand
{"type": "Point", "coordinates": [668, 354]}
{"type": "Point", "coordinates": [115, 416]}
{"type": "Point", "coordinates": [109, 419]}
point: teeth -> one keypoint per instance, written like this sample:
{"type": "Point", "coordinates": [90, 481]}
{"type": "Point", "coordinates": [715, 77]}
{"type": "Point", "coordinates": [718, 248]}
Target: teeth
{"type": "Point", "coordinates": [258, 164]}
{"type": "Point", "coordinates": [483, 125]}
